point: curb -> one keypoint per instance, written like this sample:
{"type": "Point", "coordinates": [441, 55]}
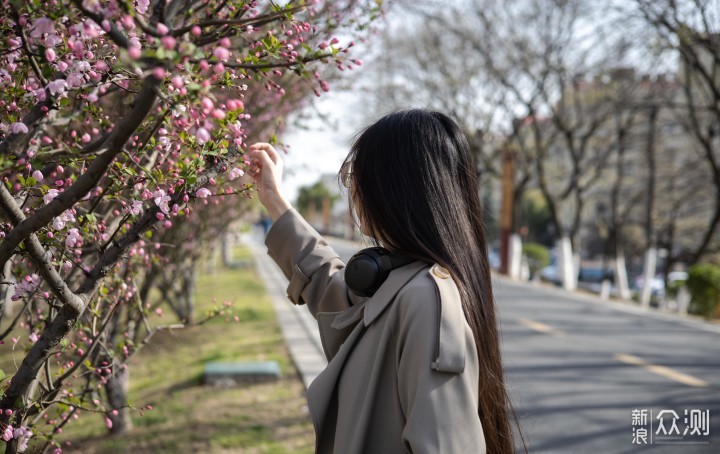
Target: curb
{"type": "Point", "coordinates": [298, 327]}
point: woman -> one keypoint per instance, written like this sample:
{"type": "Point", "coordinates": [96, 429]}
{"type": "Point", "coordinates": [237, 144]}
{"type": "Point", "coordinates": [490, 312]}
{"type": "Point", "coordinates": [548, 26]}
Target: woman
{"type": "Point", "coordinates": [415, 367]}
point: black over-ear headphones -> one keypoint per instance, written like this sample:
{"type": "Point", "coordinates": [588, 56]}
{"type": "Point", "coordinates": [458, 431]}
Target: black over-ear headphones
{"type": "Point", "coordinates": [367, 269]}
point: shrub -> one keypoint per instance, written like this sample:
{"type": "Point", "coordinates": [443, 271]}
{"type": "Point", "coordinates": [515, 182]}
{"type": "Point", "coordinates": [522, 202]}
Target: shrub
{"type": "Point", "coordinates": [538, 257]}
{"type": "Point", "coordinates": [704, 286]}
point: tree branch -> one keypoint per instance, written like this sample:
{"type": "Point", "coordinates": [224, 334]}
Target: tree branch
{"type": "Point", "coordinates": [67, 316]}
{"type": "Point", "coordinates": [112, 147]}
{"type": "Point", "coordinates": [38, 254]}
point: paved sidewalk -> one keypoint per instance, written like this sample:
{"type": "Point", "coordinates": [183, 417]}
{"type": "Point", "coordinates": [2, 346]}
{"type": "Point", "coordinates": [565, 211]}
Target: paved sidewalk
{"type": "Point", "coordinates": [299, 328]}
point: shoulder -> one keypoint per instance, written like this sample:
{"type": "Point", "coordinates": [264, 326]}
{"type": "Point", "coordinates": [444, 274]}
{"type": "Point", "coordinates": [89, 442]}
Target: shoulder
{"type": "Point", "coordinates": [428, 291]}
{"type": "Point", "coordinates": [430, 306]}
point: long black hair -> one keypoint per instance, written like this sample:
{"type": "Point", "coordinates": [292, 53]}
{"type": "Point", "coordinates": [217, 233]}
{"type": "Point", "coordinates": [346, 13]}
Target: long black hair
{"type": "Point", "coordinates": [414, 185]}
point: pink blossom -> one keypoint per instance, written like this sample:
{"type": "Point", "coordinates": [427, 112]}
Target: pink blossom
{"type": "Point", "coordinates": [8, 433]}
{"type": "Point", "coordinates": [128, 22]}
{"type": "Point", "coordinates": [159, 73]}
{"type": "Point", "coordinates": [52, 40]}
{"type": "Point", "coordinates": [161, 200]}
{"type": "Point", "coordinates": [108, 423]}
{"type": "Point", "coordinates": [24, 434]}
{"type": "Point", "coordinates": [202, 135]}
{"type": "Point", "coordinates": [162, 29]}
{"type": "Point", "coordinates": [177, 82]}
{"type": "Point", "coordinates": [142, 6]}
{"type": "Point", "coordinates": [75, 79]}
{"type": "Point", "coordinates": [38, 175]}
{"type": "Point", "coordinates": [73, 239]}
{"type": "Point", "coordinates": [50, 54]}
{"type": "Point", "coordinates": [33, 338]}
{"type": "Point", "coordinates": [207, 104]}
{"type": "Point", "coordinates": [42, 26]}
{"type": "Point", "coordinates": [235, 173]}
{"type": "Point", "coordinates": [134, 52]}
{"type": "Point", "coordinates": [221, 53]}
{"type": "Point", "coordinates": [86, 138]}
{"type": "Point", "coordinates": [135, 208]}
{"type": "Point", "coordinates": [18, 128]}
{"type": "Point", "coordinates": [225, 42]}
{"type": "Point", "coordinates": [57, 87]}
{"type": "Point", "coordinates": [168, 42]}
{"type": "Point", "coordinates": [26, 286]}
{"type": "Point", "coordinates": [235, 104]}
{"type": "Point", "coordinates": [203, 193]}
{"type": "Point", "coordinates": [60, 221]}
{"type": "Point", "coordinates": [51, 194]}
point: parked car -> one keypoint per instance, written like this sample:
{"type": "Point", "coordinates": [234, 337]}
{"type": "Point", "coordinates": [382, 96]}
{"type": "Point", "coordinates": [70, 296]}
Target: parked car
{"type": "Point", "coordinates": [588, 277]}
{"type": "Point", "coordinates": [550, 274]}
{"type": "Point", "coordinates": [657, 286]}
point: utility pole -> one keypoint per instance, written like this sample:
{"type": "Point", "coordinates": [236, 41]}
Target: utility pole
{"type": "Point", "coordinates": [506, 216]}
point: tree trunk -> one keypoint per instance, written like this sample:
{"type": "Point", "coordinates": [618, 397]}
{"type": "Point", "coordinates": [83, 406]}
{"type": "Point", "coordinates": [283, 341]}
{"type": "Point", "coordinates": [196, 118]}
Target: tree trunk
{"type": "Point", "coordinates": [651, 246]}
{"type": "Point", "coordinates": [116, 391]}
{"type": "Point", "coordinates": [648, 275]}
{"type": "Point", "coordinates": [227, 243]}
{"type": "Point", "coordinates": [189, 279]}
{"type": "Point", "coordinates": [515, 257]}
{"type": "Point", "coordinates": [621, 278]}
{"type": "Point", "coordinates": [566, 264]}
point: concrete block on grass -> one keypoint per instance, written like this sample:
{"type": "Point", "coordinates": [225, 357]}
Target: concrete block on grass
{"type": "Point", "coordinates": [232, 374]}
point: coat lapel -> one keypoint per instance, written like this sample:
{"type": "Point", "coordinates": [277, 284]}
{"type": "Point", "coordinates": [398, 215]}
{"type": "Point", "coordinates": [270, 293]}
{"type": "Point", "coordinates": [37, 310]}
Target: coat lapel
{"type": "Point", "coordinates": [340, 331]}
{"type": "Point", "coordinates": [385, 294]}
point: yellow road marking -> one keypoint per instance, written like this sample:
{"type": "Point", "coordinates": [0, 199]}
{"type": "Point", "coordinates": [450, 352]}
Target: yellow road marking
{"type": "Point", "coordinates": [662, 370]}
{"type": "Point", "coordinates": [541, 327]}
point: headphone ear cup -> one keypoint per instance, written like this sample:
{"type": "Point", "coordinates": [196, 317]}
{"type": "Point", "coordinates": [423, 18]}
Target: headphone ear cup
{"type": "Point", "coordinates": [363, 273]}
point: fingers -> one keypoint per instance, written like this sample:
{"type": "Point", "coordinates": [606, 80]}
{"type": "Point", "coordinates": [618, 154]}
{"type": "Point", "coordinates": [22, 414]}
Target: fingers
{"type": "Point", "coordinates": [269, 149]}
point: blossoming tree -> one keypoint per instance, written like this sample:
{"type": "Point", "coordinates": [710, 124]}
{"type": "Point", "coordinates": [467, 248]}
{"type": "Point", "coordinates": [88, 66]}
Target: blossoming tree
{"type": "Point", "coordinates": [116, 118]}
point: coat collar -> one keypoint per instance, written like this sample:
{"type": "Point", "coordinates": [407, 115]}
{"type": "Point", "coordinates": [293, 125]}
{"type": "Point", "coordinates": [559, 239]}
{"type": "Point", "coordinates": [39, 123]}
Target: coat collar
{"type": "Point", "coordinates": [392, 285]}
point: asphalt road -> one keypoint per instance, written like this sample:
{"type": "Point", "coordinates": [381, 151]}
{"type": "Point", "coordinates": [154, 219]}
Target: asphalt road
{"type": "Point", "coordinates": [577, 367]}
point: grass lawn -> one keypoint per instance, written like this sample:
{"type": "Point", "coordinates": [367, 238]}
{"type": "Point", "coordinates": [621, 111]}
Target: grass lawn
{"type": "Point", "coordinates": [189, 417]}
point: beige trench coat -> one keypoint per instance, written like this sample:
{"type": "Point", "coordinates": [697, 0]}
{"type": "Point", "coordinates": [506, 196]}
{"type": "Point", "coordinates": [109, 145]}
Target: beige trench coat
{"type": "Point", "coordinates": [403, 369]}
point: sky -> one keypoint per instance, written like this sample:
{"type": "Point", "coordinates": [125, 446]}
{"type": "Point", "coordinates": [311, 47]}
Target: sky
{"type": "Point", "coordinates": [320, 146]}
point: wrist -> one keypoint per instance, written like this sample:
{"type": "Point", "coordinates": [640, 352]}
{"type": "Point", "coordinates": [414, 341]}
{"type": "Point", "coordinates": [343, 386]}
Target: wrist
{"type": "Point", "coordinates": [276, 205]}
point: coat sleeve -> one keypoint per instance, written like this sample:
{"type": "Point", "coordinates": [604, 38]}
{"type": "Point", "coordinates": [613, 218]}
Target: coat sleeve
{"type": "Point", "coordinates": [314, 270]}
{"type": "Point", "coordinates": [440, 408]}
